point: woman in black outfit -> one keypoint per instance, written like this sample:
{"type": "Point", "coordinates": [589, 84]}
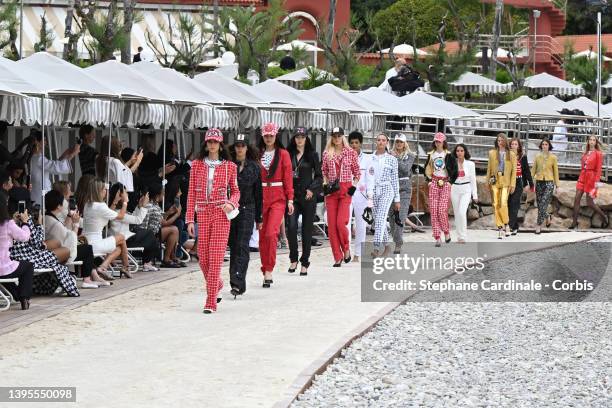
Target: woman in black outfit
{"type": "Point", "coordinates": [307, 182]}
{"type": "Point", "coordinates": [524, 181]}
{"type": "Point", "coordinates": [241, 228]}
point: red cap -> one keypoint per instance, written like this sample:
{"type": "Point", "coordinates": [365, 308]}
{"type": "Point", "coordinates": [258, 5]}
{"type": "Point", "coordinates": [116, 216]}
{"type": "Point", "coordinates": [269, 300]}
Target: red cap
{"type": "Point", "coordinates": [213, 134]}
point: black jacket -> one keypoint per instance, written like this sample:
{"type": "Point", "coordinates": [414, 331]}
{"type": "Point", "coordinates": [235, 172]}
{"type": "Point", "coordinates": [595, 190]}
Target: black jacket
{"type": "Point", "coordinates": [249, 184]}
{"type": "Point", "coordinates": [449, 162]}
{"type": "Point", "coordinates": [309, 174]}
{"type": "Point", "coordinates": [527, 179]}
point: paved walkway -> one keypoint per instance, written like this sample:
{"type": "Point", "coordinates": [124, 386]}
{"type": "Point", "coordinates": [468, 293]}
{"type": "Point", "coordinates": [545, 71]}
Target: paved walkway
{"type": "Point", "coordinates": [153, 347]}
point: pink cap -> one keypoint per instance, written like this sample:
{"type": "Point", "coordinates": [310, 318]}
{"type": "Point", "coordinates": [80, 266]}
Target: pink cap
{"type": "Point", "coordinates": [213, 134]}
{"type": "Point", "coordinates": [439, 137]}
{"type": "Point", "coordinates": [269, 129]}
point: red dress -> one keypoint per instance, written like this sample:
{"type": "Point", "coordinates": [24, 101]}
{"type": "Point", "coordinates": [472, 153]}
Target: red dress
{"type": "Point", "coordinates": [590, 172]}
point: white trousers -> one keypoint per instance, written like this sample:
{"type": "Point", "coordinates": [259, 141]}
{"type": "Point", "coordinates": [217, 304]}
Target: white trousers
{"type": "Point", "coordinates": [358, 205]}
{"type": "Point", "coordinates": [460, 198]}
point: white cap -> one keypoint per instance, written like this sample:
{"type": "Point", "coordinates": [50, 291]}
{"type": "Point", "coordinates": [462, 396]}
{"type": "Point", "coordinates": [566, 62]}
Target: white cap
{"type": "Point", "coordinates": [400, 137]}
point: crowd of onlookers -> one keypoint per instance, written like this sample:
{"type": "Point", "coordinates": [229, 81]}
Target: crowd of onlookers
{"type": "Point", "coordinates": [89, 228]}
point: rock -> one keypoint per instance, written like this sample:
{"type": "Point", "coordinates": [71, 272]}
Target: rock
{"type": "Point", "coordinates": [560, 223]}
{"type": "Point", "coordinates": [597, 221]}
{"type": "Point", "coordinates": [487, 210]}
{"type": "Point", "coordinates": [472, 214]}
{"type": "Point", "coordinates": [604, 197]}
{"type": "Point", "coordinates": [586, 211]}
{"type": "Point", "coordinates": [566, 192]}
{"type": "Point", "coordinates": [484, 190]}
{"type": "Point", "coordinates": [531, 218]}
{"type": "Point", "coordinates": [584, 222]}
{"type": "Point", "coordinates": [520, 215]}
{"type": "Point", "coordinates": [485, 222]}
{"type": "Point", "coordinates": [565, 212]}
{"type": "Point", "coordinates": [531, 196]}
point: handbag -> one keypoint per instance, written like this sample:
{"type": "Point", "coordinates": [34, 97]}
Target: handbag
{"type": "Point", "coordinates": [334, 186]}
{"type": "Point", "coordinates": [368, 216]}
{"type": "Point", "coordinates": [493, 180]}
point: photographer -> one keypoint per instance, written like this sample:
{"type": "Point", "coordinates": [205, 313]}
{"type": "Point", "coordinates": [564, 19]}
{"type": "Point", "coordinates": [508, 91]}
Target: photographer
{"type": "Point", "coordinates": [407, 80]}
{"type": "Point", "coordinates": [141, 238]}
{"type": "Point", "coordinates": [67, 234]}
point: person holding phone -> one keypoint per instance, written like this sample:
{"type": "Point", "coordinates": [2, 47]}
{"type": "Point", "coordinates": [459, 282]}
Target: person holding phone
{"type": "Point", "coordinates": [87, 153]}
{"type": "Point", "coordinates": [213, 195]}
{"type": "Point", "coordinates": [140, 238]}
{"type": "Point", "coordinates": [118, 171]}
{"type": "Point", "coordinates": [22, 270]}
{"type": "Point", "coordinates": [307, 182]}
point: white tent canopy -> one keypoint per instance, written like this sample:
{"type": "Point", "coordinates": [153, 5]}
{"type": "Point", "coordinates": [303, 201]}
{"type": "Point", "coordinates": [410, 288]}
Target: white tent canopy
{"type": "Point", "coordinates": [590, 54]}
{"type": "Point", "coordinates": [229, 87]}
{"type": "Point", "coordinates": [405, 49]}
{"type": "Point", "coordinates": [607, 87]}
{"type": "Point", "coordinates": [421, 104]}
{"type": "Point", "coordinates": [523, 105]}
{"type": "Point", "coordinates": [587, 106]}
{"type": "Point", "coordinates": [12, 82]}
{"type": "Point", "coordinates": [298, 44]}
{"type": "Point", "coordinates": [391, 103]}
{"type": "Point", "coordinates": [501, 53]}
{"type": "Point", "coordinates": [127, 82]}
{"type": "Point", "coordinates": [334, 98]}
{"type": "Point", "coordinates": [64, 71]}
{"type": "Point", "coordinates": [550, 102]}
{"type": "Point", "coordinates": [299, 75]}
{"type": "Point", "coordinates": [547, 84]}
{"type": "Point", "coordinates": [279, 91]}
{"type": "Point", "coordinates": [471, 82]}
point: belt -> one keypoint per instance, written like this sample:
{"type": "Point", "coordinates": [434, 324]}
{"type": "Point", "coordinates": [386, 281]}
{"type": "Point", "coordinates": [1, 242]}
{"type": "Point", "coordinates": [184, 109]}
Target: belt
{"type": "Point", "coordinates": [460, 184]}
{"type": "Point", "coordinates": [273, 184]}
{"type": "Point", "coordinates": [405, 178]}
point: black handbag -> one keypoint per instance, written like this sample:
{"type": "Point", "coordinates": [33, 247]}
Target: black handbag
{"type": "Point", "coordinates": [397, 219]}
{"type": "Point", "coordinates": [368, 216]}
{"type": "Point", "coordinates": [331, 187]}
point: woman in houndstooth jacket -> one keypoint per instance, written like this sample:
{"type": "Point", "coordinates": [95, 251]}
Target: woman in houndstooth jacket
{"type": "Point", "coordinates": [277, 183]}
{"type": "Point", "coordinates": [213, 174]}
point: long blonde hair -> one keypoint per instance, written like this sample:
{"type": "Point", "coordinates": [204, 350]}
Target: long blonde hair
{"type": "Point", "coordinates": [89, 191]}
{"type": "Point", "coordinates": [406, 150]}
{"type": "Point", "coordinates": [331, 149]}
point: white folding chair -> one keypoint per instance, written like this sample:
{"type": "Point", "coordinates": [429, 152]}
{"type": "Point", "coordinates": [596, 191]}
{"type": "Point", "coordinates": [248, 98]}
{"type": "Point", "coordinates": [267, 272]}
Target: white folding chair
{"type": "Point", "coordinates": [6, 298]}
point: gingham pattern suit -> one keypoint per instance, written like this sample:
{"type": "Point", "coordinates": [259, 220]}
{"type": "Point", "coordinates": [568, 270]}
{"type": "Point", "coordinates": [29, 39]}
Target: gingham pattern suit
{"type": "Point", "coordinates": [213, 225]}
{"type": "Point", "coordinates": [385, 191]}
{"type": "Point", "coordinates": [360, 200]}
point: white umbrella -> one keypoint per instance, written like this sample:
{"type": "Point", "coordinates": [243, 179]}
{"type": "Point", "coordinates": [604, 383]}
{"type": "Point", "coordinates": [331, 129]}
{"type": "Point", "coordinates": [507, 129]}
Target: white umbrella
{"type": "Point", "coordinates": [547, 84]}
{"type": "Point", "coordinates": [471, 82]}
{"type": "Point", "coordinates": [501, 53]}
{"type": "Point", "coordinates": [590, 54]}
{"type": "Point", "coordinates": [405, 49]}
{"type": "Point", "coordinates": [298, 44]}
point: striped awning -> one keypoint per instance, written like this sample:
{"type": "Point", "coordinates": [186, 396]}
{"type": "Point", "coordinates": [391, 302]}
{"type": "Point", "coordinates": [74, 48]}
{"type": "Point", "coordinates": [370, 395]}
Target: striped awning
{"type": "Point", "coordinates": [546, 84]}
{"type": "Point", "coordinates": [27, 110]}
{"type": "Point", "coordinates": [471, 82]}
{"type": "Point", "coordinates": [153, 18]}
{"type": "Point", "coordinates": [92, 111]}
{"type": "Point", "coordinates": [205, 116]}
{"type": "Point", "coordinates": [254, 118]}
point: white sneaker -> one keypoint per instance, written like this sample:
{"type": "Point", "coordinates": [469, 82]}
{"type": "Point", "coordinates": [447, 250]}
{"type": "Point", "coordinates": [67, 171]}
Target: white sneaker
{"type": "Point", "coordinates": [105, 283]}
{"type": "Point", "coordinates": [89, 285]}
{"type": "Point", "coordinates": [149, 268]}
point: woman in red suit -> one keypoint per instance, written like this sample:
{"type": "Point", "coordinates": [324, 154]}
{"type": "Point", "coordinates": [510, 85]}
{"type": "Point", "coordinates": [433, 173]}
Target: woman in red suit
{"type": "Point", "coordinates": [277, 183]}
{"type": "Point", "coordinates": [588, 182]}
{"type": "Point", "coordinates": [340, 169]}
{"type": "Point", "coordinates": [211, 182]}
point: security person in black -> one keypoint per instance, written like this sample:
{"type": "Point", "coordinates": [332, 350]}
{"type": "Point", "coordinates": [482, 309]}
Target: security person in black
{"type": "Point", "coordinates": [251, 197]}
{"type": "Point", "coordinates": [307, 183]}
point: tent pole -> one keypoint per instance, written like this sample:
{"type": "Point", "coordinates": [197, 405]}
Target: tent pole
{"type": "Point", "coordinates": [42, 160]}
{"type": "Point", "coordinates": [110, 139]}
{"type": "Point", "coordinates": [164, 135]}
{"type": "Point", "coordinates": [418, 192]}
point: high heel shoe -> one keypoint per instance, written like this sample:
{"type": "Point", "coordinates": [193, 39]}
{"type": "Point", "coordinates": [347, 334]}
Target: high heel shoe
{"type": "Point", "coordinates": [348, 259]}
{"type": "Point", "coordinates": [447, 240]}
{"type": "Point", "coordinates": [125, 273]}
{"type": "Point", "coordinates": [338, 264]}
{"type": "Point", "coordinates": [304, 273]}
{"type": "Point", "coordinates": [417, 229]}
{"type": "Point", "coordinates": [235, 292]}
{"type": "Point", "coordinates": [208, 311]}
{"type": "Point", "coordinates": [291, 270]}
{"type": "Point", "coordinates": [219, 297]}
{"type": "Point", "coordinates": [548, 220]}
{"type": "Point", "coordinates": [605, 224]}
{"type": "Point", "coordinates": [267, 283]}
{"type": "Point", "coordinates": [500, 233]}
{"type": "Point", "coordinates": [574, 225]}
{"type": "Point", "coordinates": [102, 272]}
{"type": "Point", "coordinates": [25, 304]}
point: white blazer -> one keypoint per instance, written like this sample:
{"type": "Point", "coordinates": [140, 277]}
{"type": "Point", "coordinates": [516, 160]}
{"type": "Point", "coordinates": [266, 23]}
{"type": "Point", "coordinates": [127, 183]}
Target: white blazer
{"type": "Point", "coordinates": [469, 168]}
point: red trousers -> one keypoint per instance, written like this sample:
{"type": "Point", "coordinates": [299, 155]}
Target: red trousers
{"type": "Point", "coordinates": [438, 207]}
{"type": "Point", "coordinates": [338, 205]}
{"type": "Point", "coordinates": [213, 230]}
{"type": "Point", "coordinates": [273, 213]}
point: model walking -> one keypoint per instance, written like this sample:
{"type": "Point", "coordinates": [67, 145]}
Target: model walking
{"type": "Point", "coordinates": [440, 172]}
{"type": "Point", "coordinates": [212, 181]}
{"type": "Point", "coordinates": [590, 180]}
{"type": "Point", "coordinates": [524, 182]}
{"type": "Point", "coordinates": [385, 192]}
{"type": "Point", "coordinates": [546, 175]}
{"type": "Point", "coordinates": [307, 181]}
{"type": "Point", "coordinates": [362, 199]}
{"type": "Point", "coordinates": [277, 182]}
{"type": "Point", "coordinates": [340, 170]}
{"type": "Point", "coordinates": [501, 174]}
{"type": "Point", "coordinates": [249, 184]}
{"type": "Point", "coordinates": [463, 190]}
{"type": "Point", "coordinates": [405, 159]}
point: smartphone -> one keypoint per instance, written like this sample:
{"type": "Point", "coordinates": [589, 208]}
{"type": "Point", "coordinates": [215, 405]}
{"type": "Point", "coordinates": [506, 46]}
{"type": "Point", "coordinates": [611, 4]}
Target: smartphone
{"type": "Point", "coordinates": [72, 204]}
{"type": "Point", "coordinates": [177, 201]}
{"type": "Point", "coordinates": [21, 207]}
{"type": "Point", "coordinates": [35, 212]}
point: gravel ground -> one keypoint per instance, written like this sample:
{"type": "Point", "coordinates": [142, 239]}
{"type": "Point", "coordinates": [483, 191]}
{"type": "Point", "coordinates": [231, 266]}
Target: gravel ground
{"type": "Point", "coordinates": [483, 354]}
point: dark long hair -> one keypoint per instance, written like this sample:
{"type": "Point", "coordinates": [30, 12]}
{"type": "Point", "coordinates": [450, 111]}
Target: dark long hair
{"type": "Point", "coordinates": [223, 152]}
{"type": "Point", "coordinates": [277, 145]}
{"type": "Point", "coordinates": [169, 154]}
{"type": "Point", "coordinates": [251, 153]}
{"type": "Point", "coordinates": [4, 213]}
{"type": "Point", "coordinates": [466, 153]}
{"type": "Point", "coordinates": [519, 151]}
{"type": "Point", "coordinates": [102, 159]}
{"type": "Point", "coordinates": [113, 192]}
{"type": "Point", "coordinates": [308, 149]}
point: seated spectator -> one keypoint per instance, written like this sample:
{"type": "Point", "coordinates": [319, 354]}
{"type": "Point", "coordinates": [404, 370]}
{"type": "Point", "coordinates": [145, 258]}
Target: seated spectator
{"type": "Point", "coordinates": [91, 203]}
{"type": "Point", "coordinates": [35, 251]}
{"type": "Point", "coordinates": [38, 161]}
{"type": "Point", "coordinates": [65, 189]}
{"type": "Point", "coordinates": [118, 171]}
{"type": "Point", "coordinates": [175, 198]}
{"type": "Point", "coordinates": [141, 238]}
{"type": "Point", "coordinates": [22, 270]}
{"type": "Point", "coordinates": [162, 225]}
{"type": "Point", "coordinates": [88, 153]}
{"type": "Point", "coordinates": [67, 234]}
{"type": "Point", "coordinates": [16, 169]}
